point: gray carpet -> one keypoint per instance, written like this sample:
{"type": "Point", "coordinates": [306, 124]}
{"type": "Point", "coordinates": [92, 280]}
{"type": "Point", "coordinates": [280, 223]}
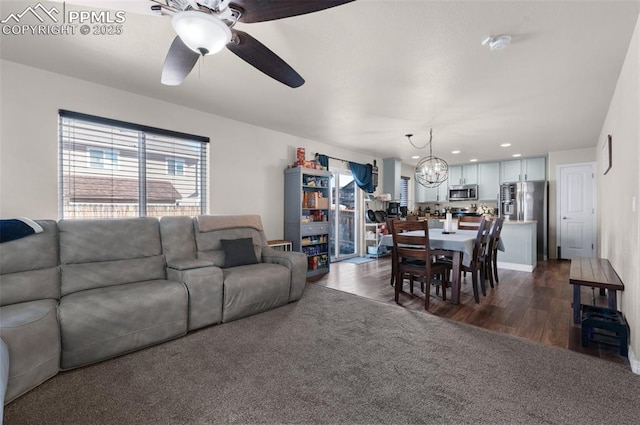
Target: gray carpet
{"type": "Point", "coordinates": [335, 358]}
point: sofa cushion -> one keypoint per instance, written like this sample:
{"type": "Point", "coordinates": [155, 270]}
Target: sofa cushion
{"type": "Point", "coordinates": [30, 285]}
{"type": "Point", "coordinates": [33, 252]}
{"type": "Point", "coordinates": [238, 252]}
{"type": "Point", "coordinates": [86, 241]}
{"type": "Point", "coordinates": [31, 331]}
{"type": "Point", "coordinates": [210, 246]}
{"type": "Point", "coordinates": [254, 288]}
{"type": "Point", "coordinates": [106, 322]}
{"type": "Point", "coordinates": [80, 277]}
{"type": "Point", "coordinates": [178, 239]}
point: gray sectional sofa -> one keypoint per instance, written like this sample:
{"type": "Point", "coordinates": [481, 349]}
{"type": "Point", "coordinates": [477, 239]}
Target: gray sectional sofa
{"type": "Point", "coordinates": [84, 291]}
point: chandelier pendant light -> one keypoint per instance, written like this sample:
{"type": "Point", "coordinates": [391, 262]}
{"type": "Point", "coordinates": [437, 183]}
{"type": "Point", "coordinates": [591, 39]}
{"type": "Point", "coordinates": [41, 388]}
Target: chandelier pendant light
{"type": "Point", "coordinates": [431, 171]}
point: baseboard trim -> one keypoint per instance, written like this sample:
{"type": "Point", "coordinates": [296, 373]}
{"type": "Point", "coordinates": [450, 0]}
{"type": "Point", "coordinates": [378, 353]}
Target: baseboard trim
{"type": "Point", "coordinates": [516, 266]}
{"type": "Point", "coordinates": [634, 362]}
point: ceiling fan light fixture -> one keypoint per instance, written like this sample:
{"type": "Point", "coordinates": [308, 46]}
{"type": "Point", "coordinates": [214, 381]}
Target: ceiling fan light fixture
{"type": "Point", "coordinates": [201, 32]}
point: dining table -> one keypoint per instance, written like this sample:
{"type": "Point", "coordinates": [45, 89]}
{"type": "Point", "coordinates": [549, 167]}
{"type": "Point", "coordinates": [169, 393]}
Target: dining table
{"type": "Point", "coordinates": [459, 244]}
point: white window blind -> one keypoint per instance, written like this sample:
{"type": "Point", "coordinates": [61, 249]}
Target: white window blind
{"type": "Point", "coordinates": [404, 191]}
{"type": "Point", "coordinates": [111, 169]}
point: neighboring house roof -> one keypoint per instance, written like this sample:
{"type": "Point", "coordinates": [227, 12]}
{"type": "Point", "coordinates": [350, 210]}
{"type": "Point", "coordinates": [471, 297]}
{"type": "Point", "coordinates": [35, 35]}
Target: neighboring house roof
{"type": "Point", "coordinates": [113, 190]}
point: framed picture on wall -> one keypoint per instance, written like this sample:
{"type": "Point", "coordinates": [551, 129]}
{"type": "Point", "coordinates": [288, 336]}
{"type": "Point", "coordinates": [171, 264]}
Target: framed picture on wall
{"type": "Point", "coordinates": [606, 155]}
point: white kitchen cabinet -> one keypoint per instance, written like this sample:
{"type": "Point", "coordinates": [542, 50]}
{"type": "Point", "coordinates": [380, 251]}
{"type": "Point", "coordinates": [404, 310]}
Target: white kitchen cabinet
{"type": "Point", "coordinates": [527, 169]}
{"type": "Point", "coordinates": [430, 194]}
{"type": "Point", "coordinates": [534, 169]}
{"type": "Point", "coordinates": [488, 181]}
{"type": "Point", "coordinates": [463, 174]}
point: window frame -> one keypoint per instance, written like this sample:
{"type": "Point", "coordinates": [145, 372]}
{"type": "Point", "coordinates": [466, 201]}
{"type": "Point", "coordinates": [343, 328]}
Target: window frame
{"type": "Point", "coordinates": [110, 161]}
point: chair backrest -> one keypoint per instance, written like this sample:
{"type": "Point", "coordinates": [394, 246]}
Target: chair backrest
{"type": "Point", "coordinates": [469, 222]}
{"type": "Point", "coordinates": [482, 240]}
{"type": "Point", "coordinates": [495, 234]}
{"type": "Point", "coordinates": [410, 240]}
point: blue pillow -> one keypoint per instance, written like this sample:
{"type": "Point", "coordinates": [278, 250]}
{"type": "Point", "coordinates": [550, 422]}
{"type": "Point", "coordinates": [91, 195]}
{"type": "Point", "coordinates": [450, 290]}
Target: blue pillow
{"type": "Point", "coordinates": [17, 228]}
{"type": "Point", "coordinates": [238, 252]}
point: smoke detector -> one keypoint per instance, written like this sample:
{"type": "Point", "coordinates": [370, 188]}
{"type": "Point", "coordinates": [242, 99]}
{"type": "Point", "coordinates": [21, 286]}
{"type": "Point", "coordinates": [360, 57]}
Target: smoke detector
{"type": "Point", "coordinates": [497, 43]}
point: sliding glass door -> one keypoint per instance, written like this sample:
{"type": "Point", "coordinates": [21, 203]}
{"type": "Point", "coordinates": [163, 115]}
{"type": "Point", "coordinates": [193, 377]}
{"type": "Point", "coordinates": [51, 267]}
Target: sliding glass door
{"type": "Point", "coordinates": [345, 211]}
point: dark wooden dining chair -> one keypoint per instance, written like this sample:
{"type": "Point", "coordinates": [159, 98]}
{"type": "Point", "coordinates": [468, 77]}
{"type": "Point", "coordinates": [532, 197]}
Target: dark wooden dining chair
{"type": "Point", "coordinates": [414, 258]}
{"type": "Point", "coordinates": [479, 252]}
{"type": "Point", "coordinates": [469, 222]}
{"type": "Point", "coordinates": [491, 257]}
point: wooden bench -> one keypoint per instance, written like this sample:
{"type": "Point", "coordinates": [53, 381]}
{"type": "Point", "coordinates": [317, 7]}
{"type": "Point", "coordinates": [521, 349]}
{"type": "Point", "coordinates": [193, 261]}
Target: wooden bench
{"type": "Point", "coordinates": [596, 273]}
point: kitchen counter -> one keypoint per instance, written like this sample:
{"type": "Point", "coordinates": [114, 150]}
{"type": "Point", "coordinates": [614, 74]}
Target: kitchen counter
{"type": "Point", "coordinates": [520, 246]}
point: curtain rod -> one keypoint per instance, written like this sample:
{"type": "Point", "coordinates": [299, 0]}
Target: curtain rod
{"type": "Point", "coordinates": [332, 157]}
{"type": "Point", "coordinates": [339, 159]}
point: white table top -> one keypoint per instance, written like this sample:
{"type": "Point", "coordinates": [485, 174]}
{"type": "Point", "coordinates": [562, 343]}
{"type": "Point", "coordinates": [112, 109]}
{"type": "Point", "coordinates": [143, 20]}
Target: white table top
{"type": "Point", "coordinates": [461, 240]}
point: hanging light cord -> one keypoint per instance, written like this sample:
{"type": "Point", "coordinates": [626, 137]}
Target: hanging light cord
{"type": "Point", "coordinates": [426, 144]}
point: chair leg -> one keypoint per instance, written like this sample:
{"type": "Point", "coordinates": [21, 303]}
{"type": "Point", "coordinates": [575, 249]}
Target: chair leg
{"type": "Point", "coordinates": [495, 267]}
{"type": "Point", "coordinates": [427, 293]}
{"type": "Point", "coordinates": [444, 278]}
{"type": "Point", "coordinates": [480, 272]}
{"type": "Point", "coordinates": [489, 270]}
{"type": "Point", "coordinates": [474, 279]}
{"type": "Point", "coordinates": [398, 285]}
{"type": "Point", "coordinates": [411, 283]}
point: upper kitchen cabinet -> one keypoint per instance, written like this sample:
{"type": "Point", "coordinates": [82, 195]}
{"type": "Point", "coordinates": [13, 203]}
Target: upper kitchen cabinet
{"type": "Point", "coordinates": [527, 169]}
{"type": "Point", "coordinates": [431, 194]}
{"type": "Point", "coordinates": [463, 174]}
{"type": "Point", "coordinates": [488, 181]}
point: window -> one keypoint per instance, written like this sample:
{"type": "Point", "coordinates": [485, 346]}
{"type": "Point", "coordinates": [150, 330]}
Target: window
{"type": "Point", "coordinates": [404, 191]}
{"type": "Point", "coordinates": [112, 169]}
{"type": "Point", "coordinates": [175, 167]}
{"type": "Point", "coordinates": [103, 158]}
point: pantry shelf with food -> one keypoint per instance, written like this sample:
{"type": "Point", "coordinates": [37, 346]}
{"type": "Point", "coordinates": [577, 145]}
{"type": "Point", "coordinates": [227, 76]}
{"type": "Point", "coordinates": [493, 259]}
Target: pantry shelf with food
{"type": "Point", "coordinates": [372, 237]}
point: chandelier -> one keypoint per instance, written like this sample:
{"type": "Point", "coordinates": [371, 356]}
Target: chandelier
{"type": "Point", "coordinates": [431, 171]}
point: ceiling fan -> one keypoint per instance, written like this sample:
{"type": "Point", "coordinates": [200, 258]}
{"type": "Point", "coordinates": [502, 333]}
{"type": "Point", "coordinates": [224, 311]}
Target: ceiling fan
{"type": "Point", "coordinates": [205, 27]}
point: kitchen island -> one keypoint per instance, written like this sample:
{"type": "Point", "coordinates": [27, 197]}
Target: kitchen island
{"type": "Point", "coordinates": [520, 246]}
{"type": "Point", "coordinates": [520, 243]}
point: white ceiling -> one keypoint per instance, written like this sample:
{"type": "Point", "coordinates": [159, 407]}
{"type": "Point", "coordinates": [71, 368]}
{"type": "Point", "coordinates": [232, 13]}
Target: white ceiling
{"type": "Point", "coordinates": [378, 69]}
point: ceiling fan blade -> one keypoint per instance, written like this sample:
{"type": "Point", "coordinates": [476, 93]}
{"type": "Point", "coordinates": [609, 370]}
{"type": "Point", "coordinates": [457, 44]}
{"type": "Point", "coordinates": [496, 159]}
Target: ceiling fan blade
{"type": "Point", "coordinates": [259, 56]}
{"type": "Point", "coordinates": [134, 6]}
{"type": "Point", "coordinates": [178, 64]}
{"type": "Point", "coordinates": [268, 10]}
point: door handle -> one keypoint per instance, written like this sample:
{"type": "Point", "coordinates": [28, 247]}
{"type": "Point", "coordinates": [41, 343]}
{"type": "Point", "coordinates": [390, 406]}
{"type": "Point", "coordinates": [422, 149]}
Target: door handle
{"type": "Point", "coordinates": [565, 218]}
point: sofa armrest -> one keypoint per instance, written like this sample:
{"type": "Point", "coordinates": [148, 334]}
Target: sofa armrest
{"type": "Point", "coordinates": [4, 374]}
{"type": "Point", "coordinates": [296, 262]}
{"type": "Point", "coordinates": [189, 264]}
{"type": "Point", "coordinates": [205, 288]}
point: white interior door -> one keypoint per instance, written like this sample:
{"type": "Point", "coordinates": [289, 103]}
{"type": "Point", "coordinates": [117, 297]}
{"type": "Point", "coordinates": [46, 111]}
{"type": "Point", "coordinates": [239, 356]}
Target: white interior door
{"type": "Point", "coordinates": [576, 208]}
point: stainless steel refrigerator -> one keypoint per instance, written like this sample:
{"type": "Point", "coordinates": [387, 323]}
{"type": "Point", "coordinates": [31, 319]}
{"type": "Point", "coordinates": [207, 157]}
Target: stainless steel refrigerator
{"type": "Point", "coordinates": [528, 201]}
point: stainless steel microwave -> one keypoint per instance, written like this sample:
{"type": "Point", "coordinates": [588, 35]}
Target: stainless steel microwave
{"type": "Point", "coordinates": [467, 192]}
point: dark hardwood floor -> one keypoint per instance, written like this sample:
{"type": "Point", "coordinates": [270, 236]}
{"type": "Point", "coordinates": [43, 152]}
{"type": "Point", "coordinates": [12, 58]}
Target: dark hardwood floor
{"type": "Point", "coordinates": [536, 306]}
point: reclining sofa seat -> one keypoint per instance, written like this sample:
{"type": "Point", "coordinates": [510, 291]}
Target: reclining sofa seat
{"type": "Point", "coordinates": [115, 295]}
{"type": "Point", "coordinates": [29, 293]}
{"type": "Point", "coordinates": [202, 279]}
{"type": "Point", "coordinates": [276, 279]}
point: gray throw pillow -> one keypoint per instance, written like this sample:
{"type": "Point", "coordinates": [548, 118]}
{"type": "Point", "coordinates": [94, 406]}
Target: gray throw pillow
{"type": "Point", "coordinates": [238, 252]}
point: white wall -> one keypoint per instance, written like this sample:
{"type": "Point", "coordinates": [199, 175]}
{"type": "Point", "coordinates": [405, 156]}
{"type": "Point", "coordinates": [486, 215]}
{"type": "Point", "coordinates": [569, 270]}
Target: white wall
{"type": "Point", "coordinates": [573, 156]}
{"type": "Point", "coordinates": [618, 222]}
{"type": "Point", "coordinates": [246, 162]}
